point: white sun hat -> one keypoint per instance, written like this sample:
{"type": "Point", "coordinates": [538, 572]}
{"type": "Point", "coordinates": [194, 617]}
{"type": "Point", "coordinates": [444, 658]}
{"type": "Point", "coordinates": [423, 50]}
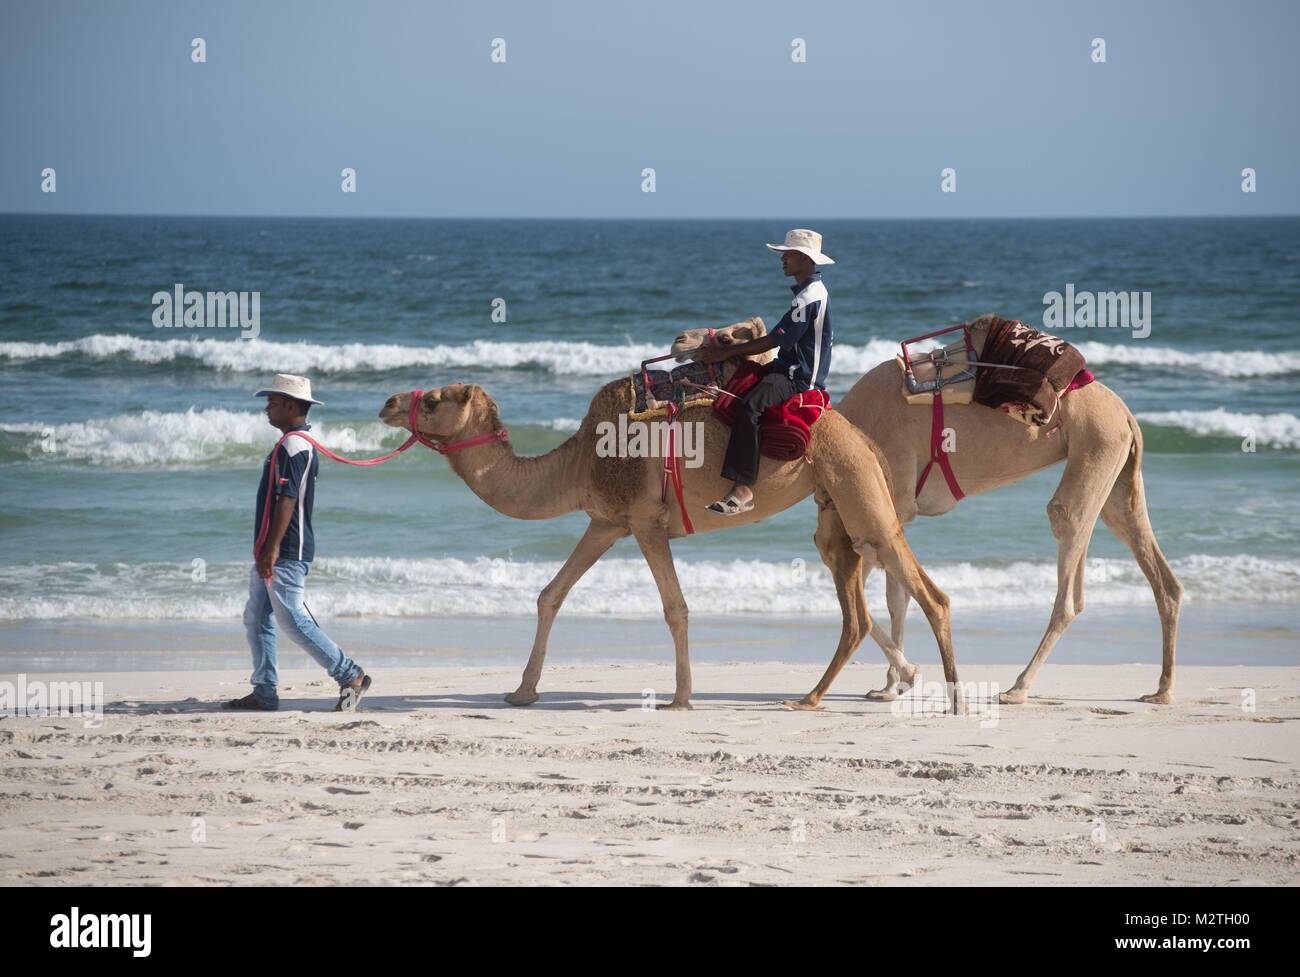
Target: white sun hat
{"type": "Point", "coordinates": [299, 388]}
{"type": "Point", "coordinates": [805, 242]}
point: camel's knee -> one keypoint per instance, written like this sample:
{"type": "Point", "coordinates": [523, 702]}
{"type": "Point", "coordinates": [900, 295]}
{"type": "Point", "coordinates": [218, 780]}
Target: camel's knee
{"type": "Point", "coordinates": [1174, 593]}
{"type": "Point", "coordinates": [940, 609]}
{"type": "Point", "coordinates": [550, 599]}
{"type": "Point", "coordinates": [854, 632]}
{"type": "Point", "coordinates": [676, 614]}
{"type": "Point", "coordinates": [1063, 614]}
{"type": "Point", "coordinates": [941, 600]}
{"type": "Point", "coordinates": [935, 605]}
{"type": "Point", "coordinates": [1058, 514]}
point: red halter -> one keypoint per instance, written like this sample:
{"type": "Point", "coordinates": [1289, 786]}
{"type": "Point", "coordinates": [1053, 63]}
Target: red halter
{"type": "Point", "coordinates": [446, 449]}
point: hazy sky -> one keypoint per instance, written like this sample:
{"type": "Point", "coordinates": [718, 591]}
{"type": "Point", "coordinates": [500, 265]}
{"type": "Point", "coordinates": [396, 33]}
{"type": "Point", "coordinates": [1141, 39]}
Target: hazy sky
{"type": "Point", "coordinates": [1006, 93]}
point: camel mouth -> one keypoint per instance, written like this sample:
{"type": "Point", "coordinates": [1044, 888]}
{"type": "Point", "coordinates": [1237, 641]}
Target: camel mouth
{"type": "Point", "coordinates": [393, 414]}
{"type": "Point", "coordinates": [683, 347]}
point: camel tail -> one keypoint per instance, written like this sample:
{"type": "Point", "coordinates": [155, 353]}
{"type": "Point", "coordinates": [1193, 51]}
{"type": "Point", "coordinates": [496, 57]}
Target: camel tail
{"type": "Point", "coordinates": [1134, 466]}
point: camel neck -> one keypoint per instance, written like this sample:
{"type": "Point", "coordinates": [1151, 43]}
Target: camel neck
{"type": "Point", "coordinates": [541, 487]}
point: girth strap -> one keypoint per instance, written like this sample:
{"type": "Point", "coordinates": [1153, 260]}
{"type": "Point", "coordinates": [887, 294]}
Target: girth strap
{"type": "Point", "coordinates": [938, 454]}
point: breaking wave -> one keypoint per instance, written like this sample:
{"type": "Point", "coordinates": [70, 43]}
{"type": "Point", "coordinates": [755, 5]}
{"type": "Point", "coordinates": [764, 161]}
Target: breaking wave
{"type": "Point", "coordinates": [383, 587]}
{"type": "Point", "coordinates": [560, 357]}
{"type": "Point", "coordinates": [196, 438]}
{"type": "Point", "coordinates": [1269, 430]}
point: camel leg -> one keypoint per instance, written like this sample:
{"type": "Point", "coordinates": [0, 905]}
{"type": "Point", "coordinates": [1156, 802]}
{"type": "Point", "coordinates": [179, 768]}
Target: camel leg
{"type": "Point", "coordinates": [1125, 514]}
{"type": "Point", "coordinates": [594, 544]}
{"type": "Point", "coordinates": [859, 488]}
{"type": "Point", "coordinates": [658, 554]}
{"type": "Point", "coordinates": [1073, 512]}
{"type": "Point", "coordinates": [847, 568]}
{"type": "Point", "coordinates": [898, 559]}
{"type": "Point", "coordinates": [898, 679]}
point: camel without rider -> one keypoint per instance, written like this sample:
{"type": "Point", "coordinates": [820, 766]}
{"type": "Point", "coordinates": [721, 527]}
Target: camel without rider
{"type": "Point", "coordinates": [1101, 444]}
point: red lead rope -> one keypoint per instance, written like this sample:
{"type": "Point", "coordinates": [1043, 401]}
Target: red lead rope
{"type": "Point", "coordinates": [411, 417]}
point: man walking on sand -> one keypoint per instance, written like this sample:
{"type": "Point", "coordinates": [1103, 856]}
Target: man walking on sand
{"type": "Point", "coordinates": [804, 338]}
{"type": "Point", "coordinates": [276, 591]}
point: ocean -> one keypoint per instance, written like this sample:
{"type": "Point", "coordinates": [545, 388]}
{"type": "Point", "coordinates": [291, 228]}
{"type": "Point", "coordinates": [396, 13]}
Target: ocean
{"type": "Point", "coordinates": [129, 453]}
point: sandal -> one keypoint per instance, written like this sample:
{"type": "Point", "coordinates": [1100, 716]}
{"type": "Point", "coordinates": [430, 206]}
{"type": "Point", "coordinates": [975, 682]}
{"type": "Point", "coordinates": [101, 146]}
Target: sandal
{"type": "Point", "coordinates": [730, 505]}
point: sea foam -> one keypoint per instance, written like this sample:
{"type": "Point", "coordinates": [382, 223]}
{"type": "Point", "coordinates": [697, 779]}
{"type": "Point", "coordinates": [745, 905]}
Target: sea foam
{"type": "Point", "coordinates": [387, 587]}
{"type": "Point", "coordinates": [1272, 430]}
{"type": "Point", "coordinates": [192, 437]}
{"type": "Point", "coordinates": [574, 358]}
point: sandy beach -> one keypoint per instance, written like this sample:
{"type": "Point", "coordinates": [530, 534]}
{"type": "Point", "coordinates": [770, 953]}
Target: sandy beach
{"type": "Point", "coordinates": [438, 782]}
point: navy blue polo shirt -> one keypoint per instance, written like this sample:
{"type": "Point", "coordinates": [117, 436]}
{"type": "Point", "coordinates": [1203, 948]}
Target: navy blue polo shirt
{"type": "Point", "coordinates": [805, 335]}
{"type": "Point", "coordinates": [296, 466]}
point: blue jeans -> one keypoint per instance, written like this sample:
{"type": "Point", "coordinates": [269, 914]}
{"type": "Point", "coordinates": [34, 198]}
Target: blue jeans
{"type": "Point", "coordinates": [280, 601]}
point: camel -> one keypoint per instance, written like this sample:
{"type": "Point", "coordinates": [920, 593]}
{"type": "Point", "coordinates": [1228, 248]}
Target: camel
{"type": "Point", "coordinates": [623, 496]}
{"type": "Point", "coordinates": [1101, 444]}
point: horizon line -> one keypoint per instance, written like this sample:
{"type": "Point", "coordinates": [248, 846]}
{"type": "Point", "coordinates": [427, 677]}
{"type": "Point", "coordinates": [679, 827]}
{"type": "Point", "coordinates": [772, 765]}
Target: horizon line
{"type": "Point", "coordinates": [643, 217]}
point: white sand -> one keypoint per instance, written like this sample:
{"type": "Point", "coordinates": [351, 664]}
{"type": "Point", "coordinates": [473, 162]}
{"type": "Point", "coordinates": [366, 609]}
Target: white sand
{"type": "Point", "coordinates": [437, 781]}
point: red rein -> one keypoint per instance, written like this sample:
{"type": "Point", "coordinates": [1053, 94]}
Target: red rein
{"type": "Point", "coordinates": [411, 416]}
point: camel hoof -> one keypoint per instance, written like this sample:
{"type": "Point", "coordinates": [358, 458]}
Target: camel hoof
{"type": "Point", "coordinates": [1159, 698]}
{"type": "Point", "coordinates": [520, 697]}
{"type": "Point", "coordinates": [881, 695]}
{"type": "Point", "coordinates": [802, 705]}
{"type": "Point", "coordinates": [1013, 697]}
{"type": "Point", "coordinates": [676, 705]}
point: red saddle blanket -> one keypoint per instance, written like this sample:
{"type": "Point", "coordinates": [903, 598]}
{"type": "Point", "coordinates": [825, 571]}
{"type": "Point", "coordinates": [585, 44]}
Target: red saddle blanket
{"type": "Point", "coordinates": [786, 429]}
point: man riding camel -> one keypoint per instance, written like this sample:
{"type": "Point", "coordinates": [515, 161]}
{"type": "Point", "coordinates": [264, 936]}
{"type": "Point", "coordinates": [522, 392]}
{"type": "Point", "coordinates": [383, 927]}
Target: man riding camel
{"type": "Point", "coordinates": [804, 338]}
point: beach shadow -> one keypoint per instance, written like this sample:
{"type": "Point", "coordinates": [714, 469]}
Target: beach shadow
{"type": "Point", "coordinates": [561, 699]}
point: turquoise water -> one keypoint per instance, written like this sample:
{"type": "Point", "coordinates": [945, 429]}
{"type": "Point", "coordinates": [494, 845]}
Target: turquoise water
{"type": "Point", "coordinates": [129, 453]}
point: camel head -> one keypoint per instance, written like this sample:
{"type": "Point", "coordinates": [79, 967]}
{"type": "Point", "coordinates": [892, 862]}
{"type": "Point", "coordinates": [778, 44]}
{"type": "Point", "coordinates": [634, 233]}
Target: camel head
{"type": "Point", "coordinates": [454, 411]}
{"type": "Point", "coordinates": [689, 341]}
